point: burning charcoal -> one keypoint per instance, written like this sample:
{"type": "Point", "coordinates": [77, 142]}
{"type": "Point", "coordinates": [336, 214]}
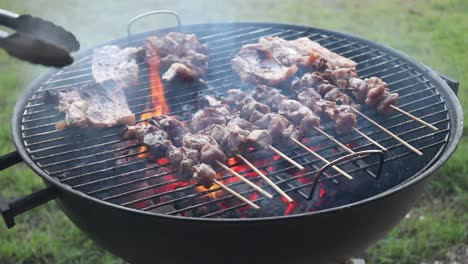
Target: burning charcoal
{"type": "Point", "coordinates": [255, 64]}
{"type": "Point", "coordinates": [211, 153]}
{"type": "Point", "coordinates": [111, 63]}
{"type": "Point", "coordinates": [92, 105]}
{"type": "Point", "coordinates": [204, 174]}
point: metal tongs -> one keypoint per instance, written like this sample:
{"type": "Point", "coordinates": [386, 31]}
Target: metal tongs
{"type": "Point", "coordinates": [36, 40]}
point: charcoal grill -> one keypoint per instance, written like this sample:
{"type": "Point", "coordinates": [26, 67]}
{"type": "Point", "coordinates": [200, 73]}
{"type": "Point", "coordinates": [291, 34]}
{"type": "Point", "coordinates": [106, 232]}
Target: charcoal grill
{"type": "Point", "coordinates": [105, 189]}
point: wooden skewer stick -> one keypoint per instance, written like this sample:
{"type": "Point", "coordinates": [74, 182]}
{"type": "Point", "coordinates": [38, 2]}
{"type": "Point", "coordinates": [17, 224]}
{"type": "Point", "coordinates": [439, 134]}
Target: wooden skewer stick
{"type": "Point", "coordinates": [334, 140]}
{"type": "Point", "coordinates": [321, 158]}
{"type": "Point", "coordinates": [415, 118]}
{"type": "Point", "coordinates": [299, 166]}
{"type": "Point", "coordinates": [264, 177]}
{"type": "Point", "coordinates": [245, 200]}
{"type": "Point", "coordinates": [244, 179]}
{"type": "Point", "coordinates": [388, 132]}
{"type": "Point", "coordinates": [370, 139]}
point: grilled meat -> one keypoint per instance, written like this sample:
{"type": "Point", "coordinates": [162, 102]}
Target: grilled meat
{"type": "Point", "coordinates": [255, 64]}
{"type": "Point", "coordinates": [197, 141]}
{"type": "Point", "coordinates": [92, 105]}
{"type": "Point", "coordinates": [205, 118]}
{"type": "Point", "coordinates": [252, 106]}
{"type": "Point", "coordinates": [178, 48]}
{"type": "Point", "coordinates": [152, 137]}
{"type": "Point", "coordinates": [259, 139]}
{"type": "Point", "coordinates": [275, 124]}
{"type": "Point", "coordinates": [183, 159]}
{"type": "Point", "coordinates": [174, 128]}
{"type": "Point", "coordinates": [210, 153]}
{"type": "Point", "coordinates": [111, 63]}
{"type": "Point", "coordinates": [269, 96]}
{"type": "Point", "coordinates": [204, 175]}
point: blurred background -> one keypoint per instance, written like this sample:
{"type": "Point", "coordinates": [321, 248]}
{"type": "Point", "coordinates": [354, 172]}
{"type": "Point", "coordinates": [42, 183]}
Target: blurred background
{"type": "Point", "coordinates": [433, 32]}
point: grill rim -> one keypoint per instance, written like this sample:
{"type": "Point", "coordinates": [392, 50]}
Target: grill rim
{"type": "Point", "coordinates": [450, 100]}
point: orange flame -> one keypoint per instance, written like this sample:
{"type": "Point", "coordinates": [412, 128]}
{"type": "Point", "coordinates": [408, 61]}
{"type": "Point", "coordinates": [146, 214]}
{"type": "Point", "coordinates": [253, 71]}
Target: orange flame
{"type": "Point", "coordinates": [157, 89]}
{"type": "Point", "coordinates": [158, 100]}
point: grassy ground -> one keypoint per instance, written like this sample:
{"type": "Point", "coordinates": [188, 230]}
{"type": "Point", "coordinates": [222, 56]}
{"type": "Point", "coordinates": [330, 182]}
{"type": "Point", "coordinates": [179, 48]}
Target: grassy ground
{"type": "Point", "coordinates": [434, 32]}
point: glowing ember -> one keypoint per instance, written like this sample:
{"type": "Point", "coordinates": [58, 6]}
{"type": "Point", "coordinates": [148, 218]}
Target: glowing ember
{"type": "Point", "coordinates": [290, 207]}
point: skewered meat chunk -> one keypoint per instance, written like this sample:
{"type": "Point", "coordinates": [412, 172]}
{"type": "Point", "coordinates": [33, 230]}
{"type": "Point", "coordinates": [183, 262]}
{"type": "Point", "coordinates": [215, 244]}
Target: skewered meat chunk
{"type": "Point", "coordinates": [358, 89]}
{"type": "Point", "coordinates": [375, 89]}
{"type": "Point", "coordinates": [111, 63]}
{"type": "Point", "coordinates": [255, 64]}
{"type": "Point", "coordinates": [339, 96]}
{"type": "Point", "coordinates": [295, 111]}
{"type": "Point", "coordinates": [206, 117]}
{"type": "Point", "coordinates": [92, 105]}
{"type": "Point", "coordinates": [309, 97]}
{"type": "Point", "coordinates": [387, 100]}
{"type": "Point", "coordinates": [204, 101]}
{"type": "Point", "coordinates": [258, 139]}
{"type": "Point", "coordinates": [152, 137]}
{"type": "Point", "coordinates": [251, 106]}
{"type": "Point", "coordinates": [269, 96]}
{"type": "Point", "coordinates": [210, 153]}
{"type": "Point", "coordinates": [204, 174]}
{"type": "Point", "coordinates": [235, 142]}
{"type": "Point", "coordinates": [340, 76]}
{"type": "Point", "coordinates": [197, 141]}
{"type": "Point", "coordinates": [274, 123]}
{"type": "Point", "coordinates": [182, 159]}
{"type": "Point", "coordinates": [179, 70]}
{"type": "Point", "coordinates": [240, 123]}
{"type": "Point", "coordinates": [174, 128]}
{"type": "Point", "coordinates": [235, 98]}
{"type": "Point", "coordinates": [185, 49]}
{"type": "Point", "coordinates": [345, 121]}
{"type": "Point", "coordinates": [217, 132]}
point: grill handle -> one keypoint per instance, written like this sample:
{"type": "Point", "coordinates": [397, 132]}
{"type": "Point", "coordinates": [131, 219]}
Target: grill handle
{"type": "Point", "coordinates": [9, 160]}
{"type": "Point", "coordinates": [11, 209]}
{"type": "Point", "coordinates": [452, 83]}
{"type": "Point", "coordinates": [155, 12]}
{"type": "Point", "coordinates": [359, 154]}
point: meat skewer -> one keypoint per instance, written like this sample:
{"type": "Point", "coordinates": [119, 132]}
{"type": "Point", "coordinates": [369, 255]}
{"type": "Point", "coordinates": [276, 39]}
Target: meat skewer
{"type": "Point", "coordinates": [372, 91]}
{"type": "Point", "coordinates": [162, 133]}
{"type": "Point", "coordinates": [231, 135]}
{"type": "Point", "coordinates": [277, 125]}
{"type": "Point", "coordinates": [204, 174]}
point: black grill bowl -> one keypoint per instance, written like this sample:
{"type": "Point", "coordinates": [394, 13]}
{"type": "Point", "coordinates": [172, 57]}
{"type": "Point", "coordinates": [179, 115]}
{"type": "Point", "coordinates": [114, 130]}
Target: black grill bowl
{"type": "Point", "coordinates": [326, 236]}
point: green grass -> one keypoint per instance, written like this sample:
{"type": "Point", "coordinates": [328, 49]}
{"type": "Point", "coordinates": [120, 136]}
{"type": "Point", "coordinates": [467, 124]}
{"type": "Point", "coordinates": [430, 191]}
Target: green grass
{"type": "Point", "coordinates": [434, 32]}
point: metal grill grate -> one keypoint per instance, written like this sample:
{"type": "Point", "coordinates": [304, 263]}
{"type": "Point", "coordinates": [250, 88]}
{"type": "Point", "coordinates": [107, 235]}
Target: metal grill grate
{"type": "Point", "coordinates": [102, 165]}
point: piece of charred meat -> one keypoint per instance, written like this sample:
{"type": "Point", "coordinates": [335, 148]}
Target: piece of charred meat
{"type": "Point", "coordinates": [92, 105]}
{"type": "Point", "coordinates": [111, 63]}
{"type": "Point", "coordinates": [269, 96]}
{"type": "Point", "coordinates": [259, 139]}
{"type": "Point", "coordinates": [152, 137]}
{"type": "Point", "coordinates": [182, 160]}
{"type": "Point", "coordinates": [204, 175]}
{"type": "Point", "coordinates": [255, 64]}
{"type": "Point", "coordinates": [174, 128]}
{"type": "Point", "coordinates": [181, 55]}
